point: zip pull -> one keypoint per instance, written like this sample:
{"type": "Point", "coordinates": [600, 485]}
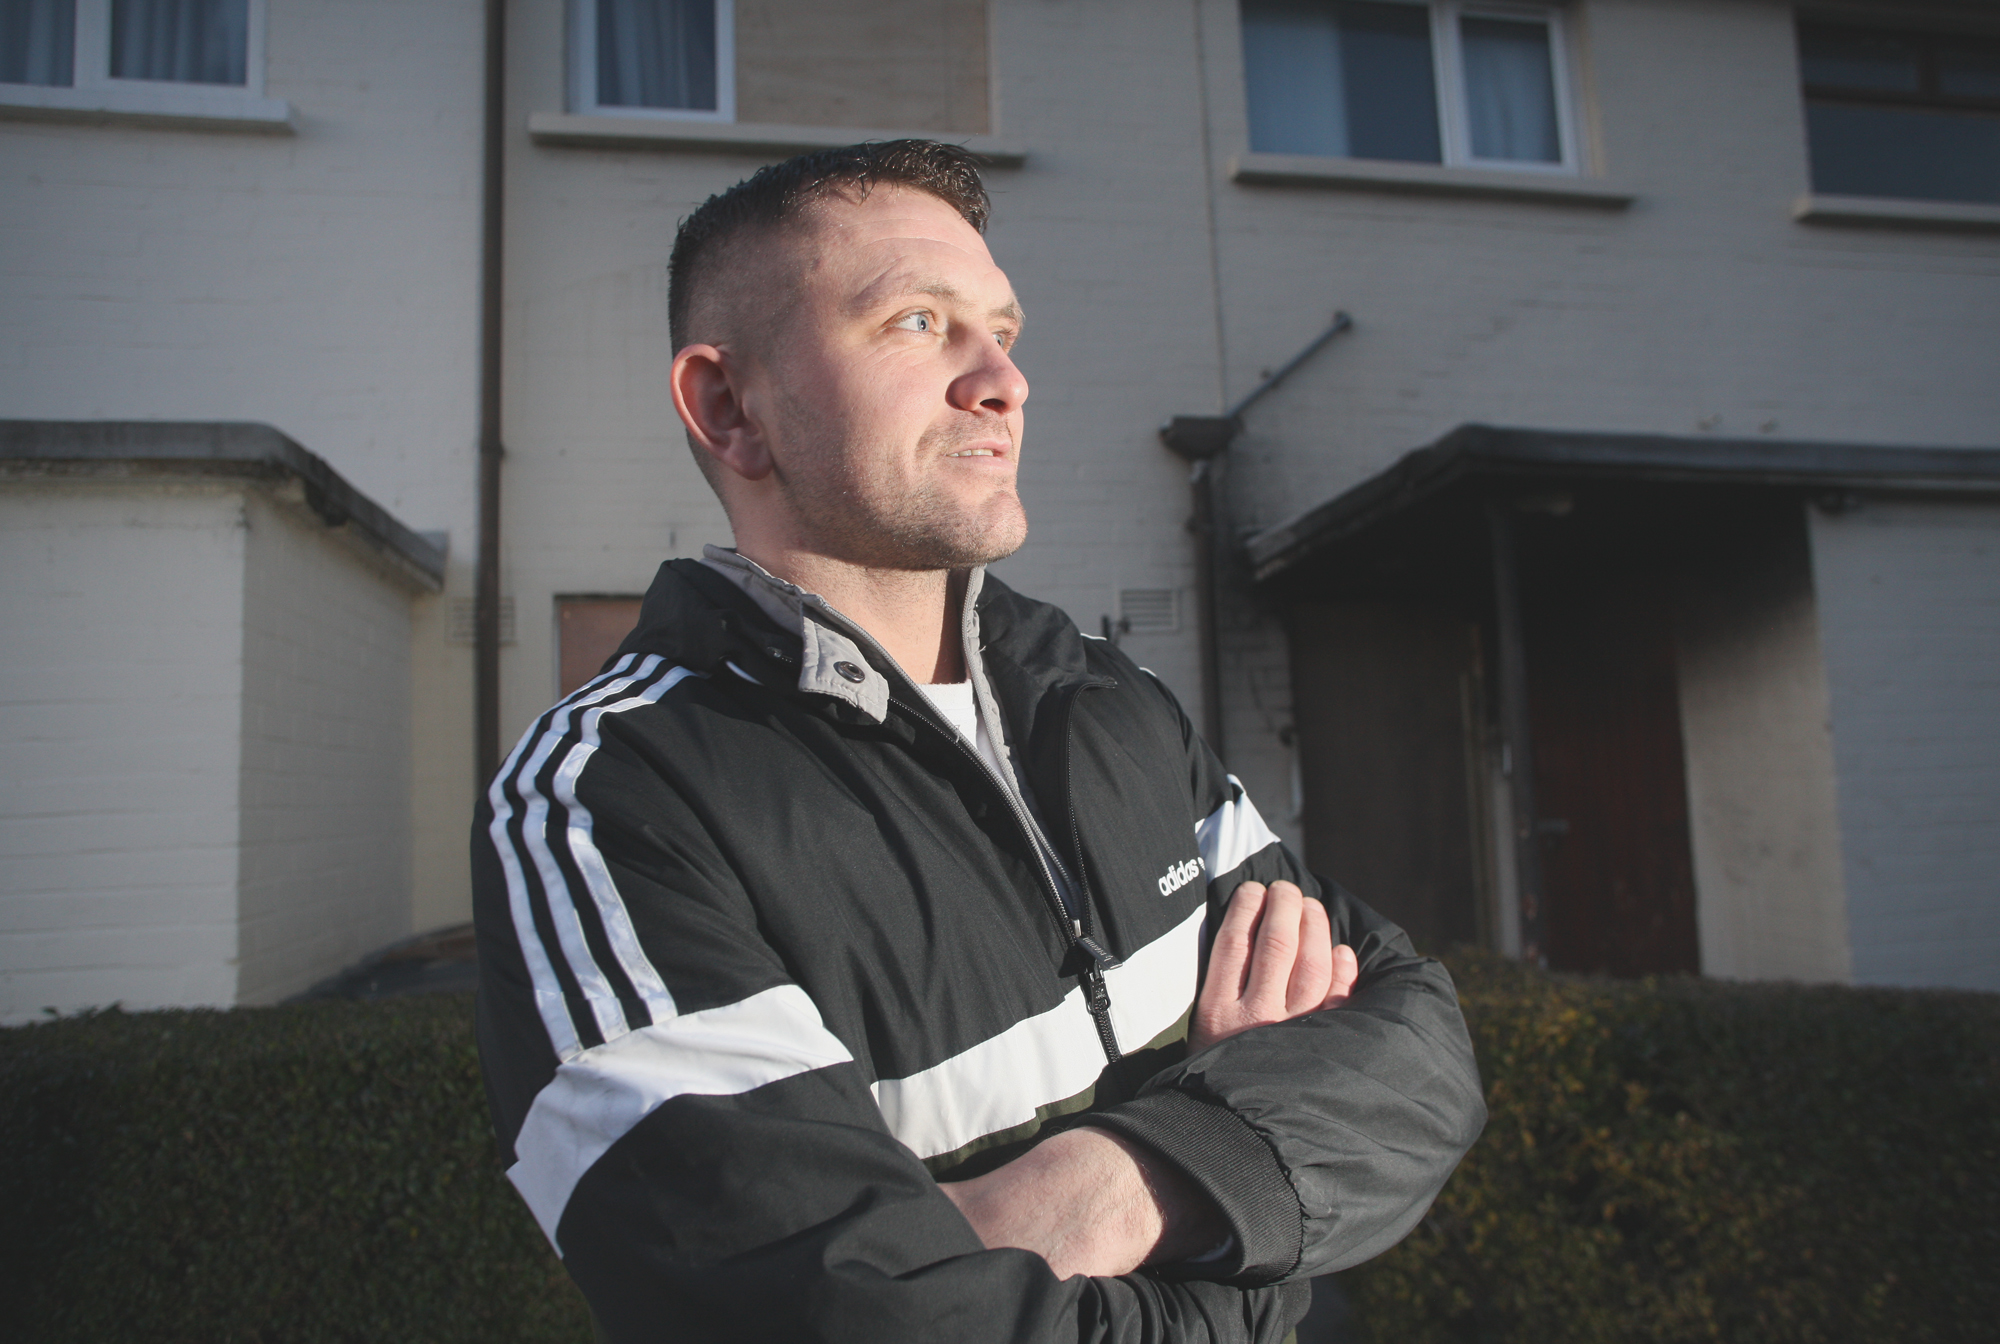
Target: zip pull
{"type": "Point", "coordinates": [1098, 953]}
{"type": "Point", "coordinates": [1098, 998]}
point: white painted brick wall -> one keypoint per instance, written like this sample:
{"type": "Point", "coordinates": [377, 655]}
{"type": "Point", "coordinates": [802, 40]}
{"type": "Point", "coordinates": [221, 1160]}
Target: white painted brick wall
{"type": "Point", "coordinates": [1763, 822]}
{"type": "Point", "coordinates": [1909, 614]}
{"type": "Point", "coordinates": [119, 746]}
{"type": "Point", "coordinates": [204, 748]}
{"type": "Point", "coordinates": [325, 784]}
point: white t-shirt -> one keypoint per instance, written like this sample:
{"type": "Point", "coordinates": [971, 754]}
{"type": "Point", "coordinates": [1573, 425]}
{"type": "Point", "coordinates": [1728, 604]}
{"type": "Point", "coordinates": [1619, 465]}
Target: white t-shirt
{"type": "Point", "coordinates": [960, 708]}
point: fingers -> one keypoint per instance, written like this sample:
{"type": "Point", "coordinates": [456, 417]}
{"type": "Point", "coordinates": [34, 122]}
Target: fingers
{"type": "Point", "coordinates": [1346, 970]}
{"type": "Point", "coordinates": [1312, 970]}
{"type": "Point", "coordinates": [1274, 950]}
{"type": "Point", "coordinates": [1229, 955]}
{"type": "Point", "coordinates": [1273, 959]}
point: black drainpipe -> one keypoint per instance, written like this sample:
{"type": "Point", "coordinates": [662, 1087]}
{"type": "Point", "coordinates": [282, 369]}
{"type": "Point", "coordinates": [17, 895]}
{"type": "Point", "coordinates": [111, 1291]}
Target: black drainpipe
{"type": "Point", "coordinates": [1202, 440]}
{"type": "Point", "coordinates": [486, 593]}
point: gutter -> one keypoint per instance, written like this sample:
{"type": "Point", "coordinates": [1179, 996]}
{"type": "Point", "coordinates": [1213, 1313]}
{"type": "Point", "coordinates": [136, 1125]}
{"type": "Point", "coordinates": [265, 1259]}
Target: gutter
{"type": "Point", "coordinates": [486, 584]}
{"type": "Point", "coordinates": [1201, 440]}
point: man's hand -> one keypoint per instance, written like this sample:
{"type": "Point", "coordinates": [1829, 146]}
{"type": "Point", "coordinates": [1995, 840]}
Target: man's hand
{"type": "Point", "coordinates": [1273, 959]}
{"type": "Point", "coordinates": [1090, 1202]}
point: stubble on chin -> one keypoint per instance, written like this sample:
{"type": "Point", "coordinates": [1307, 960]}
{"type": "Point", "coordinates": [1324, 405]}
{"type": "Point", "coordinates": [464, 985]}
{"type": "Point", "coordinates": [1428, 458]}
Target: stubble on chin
{"type": "Point", "coordinates": [881, 523]}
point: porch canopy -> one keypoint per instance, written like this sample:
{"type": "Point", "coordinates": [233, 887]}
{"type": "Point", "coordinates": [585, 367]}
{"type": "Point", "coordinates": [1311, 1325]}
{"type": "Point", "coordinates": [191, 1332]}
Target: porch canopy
{"type": "Point", "coordinates": [1520, 657]}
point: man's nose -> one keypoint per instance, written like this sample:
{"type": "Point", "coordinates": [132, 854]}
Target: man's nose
{"type": "Point", "coordinates": [994, 384]}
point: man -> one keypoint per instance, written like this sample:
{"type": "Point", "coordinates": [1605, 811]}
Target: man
{"type": "Point", "coordinates": [840, 944]}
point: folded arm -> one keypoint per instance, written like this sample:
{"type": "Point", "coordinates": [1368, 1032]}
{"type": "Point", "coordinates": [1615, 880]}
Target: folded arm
{"type": "Point", "coordinates": [1090, 1201]}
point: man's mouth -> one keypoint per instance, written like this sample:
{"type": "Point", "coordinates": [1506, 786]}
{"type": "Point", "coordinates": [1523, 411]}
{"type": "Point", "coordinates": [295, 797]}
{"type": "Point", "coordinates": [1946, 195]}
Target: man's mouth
{"type": "Point", "coordinates": [974, 452]}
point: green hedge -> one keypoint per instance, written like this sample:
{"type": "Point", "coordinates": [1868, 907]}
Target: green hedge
{"type": "Point", "coordinates": [1687, 1160]}
{"type": "Point", "coordinates": [1678, 1160]}
{"type": "Point", "coordinates": [322, 1172]}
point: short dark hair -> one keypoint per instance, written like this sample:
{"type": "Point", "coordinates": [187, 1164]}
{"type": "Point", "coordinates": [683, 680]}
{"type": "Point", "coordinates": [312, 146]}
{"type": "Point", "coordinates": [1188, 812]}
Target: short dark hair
{"type": "Point", "coordinates": [778, 194]}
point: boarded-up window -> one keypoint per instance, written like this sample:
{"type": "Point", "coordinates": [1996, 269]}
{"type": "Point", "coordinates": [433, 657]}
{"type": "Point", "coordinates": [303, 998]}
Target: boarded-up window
{"type": "Point", "coordinates": [589, 630]}
{"type": "Point", "coordinates": [916, 65]}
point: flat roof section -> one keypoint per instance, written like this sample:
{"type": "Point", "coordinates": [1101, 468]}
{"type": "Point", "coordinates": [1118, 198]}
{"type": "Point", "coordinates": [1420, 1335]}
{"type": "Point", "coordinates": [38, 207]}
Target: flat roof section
{"type": "Point", "coordinates": [1436, 490]}
{"type": "Point", "coordinates": [240, 449]}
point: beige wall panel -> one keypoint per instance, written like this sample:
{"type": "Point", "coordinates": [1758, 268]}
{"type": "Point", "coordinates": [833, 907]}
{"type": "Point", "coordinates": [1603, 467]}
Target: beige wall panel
{"type": "Point", "coordinates": [907, 64]}
{"type": "Point", "coordinates": [1909, 616]}
{"type": "Point", "coordinates": [120, 733]}
{"type": "Point", "coordinates": [1762, 816]}
{"type": "Point", "coordinates": [324, 877]}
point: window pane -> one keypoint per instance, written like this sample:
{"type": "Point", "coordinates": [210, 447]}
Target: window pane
{"type": "Point", "coordinates": [186, 41]}
{"type": "Point", "coordinates": [1510, 92]}
{"type": "Point", "coordinates": [656, 53]}
{"type": "Point", "coordinates": [37, 41]}
{"type": "Point", "coordinates": [1391, 87]}
{"type": "Point", "coordinates": [1352, 80]}
{"type": "Point", "coordinates": [1291, 75]}
{"type": "Point", "coordinates": [1970, 70]}
{"type": "Point", "coordinates": [1849, 58]}
{"type": "Point", "coordinates": [1904, 152]}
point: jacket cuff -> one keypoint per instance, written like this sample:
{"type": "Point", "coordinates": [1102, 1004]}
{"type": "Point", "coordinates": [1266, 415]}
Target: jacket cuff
{"type": "Point", "coordinates": [1234, 1166]}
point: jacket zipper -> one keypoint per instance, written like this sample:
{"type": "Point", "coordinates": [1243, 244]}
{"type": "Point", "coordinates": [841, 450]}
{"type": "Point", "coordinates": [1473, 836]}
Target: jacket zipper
{"type": "Point", "coordinates": [1075, 929]}
{"type": "Point", "coordinates": [1100, 993]}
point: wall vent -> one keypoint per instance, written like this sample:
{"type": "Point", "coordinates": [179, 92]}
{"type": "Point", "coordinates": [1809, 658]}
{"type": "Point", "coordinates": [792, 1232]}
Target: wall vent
{"type": "Point", "coordinates": [462, 622]}
{"type": "Point", "coordinates": [1149, 610]}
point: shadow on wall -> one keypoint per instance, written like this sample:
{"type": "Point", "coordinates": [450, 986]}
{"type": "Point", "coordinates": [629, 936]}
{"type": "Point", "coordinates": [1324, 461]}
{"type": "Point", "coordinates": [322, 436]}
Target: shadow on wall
{"type": "Point", "coordinates": [441, 961]}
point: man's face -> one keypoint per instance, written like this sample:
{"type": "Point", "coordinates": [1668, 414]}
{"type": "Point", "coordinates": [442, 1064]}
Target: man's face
{"type": "Point", "coordinates": [894, 410]}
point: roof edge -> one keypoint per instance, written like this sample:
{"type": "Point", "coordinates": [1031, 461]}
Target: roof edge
{"type": "Point", "coordinates": [227, 447]}
{"type": "Point", "coordinates": [1502, 451]}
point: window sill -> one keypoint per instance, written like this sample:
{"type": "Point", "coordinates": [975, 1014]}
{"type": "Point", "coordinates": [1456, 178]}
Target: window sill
{"type": "Point", "coordinates": [1427, 179]}
{"type": "Point", "coordinates": [722, 137]}
{"type": "Point", "coordinates": [177, 109]}
{"type": "Point", "coordinates": [1885, 213]}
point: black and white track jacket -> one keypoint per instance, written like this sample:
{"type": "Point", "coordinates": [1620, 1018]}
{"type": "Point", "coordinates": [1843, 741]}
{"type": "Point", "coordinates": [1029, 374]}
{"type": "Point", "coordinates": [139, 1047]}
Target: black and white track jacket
{"type": "Point", "coordinates": [766, 950]}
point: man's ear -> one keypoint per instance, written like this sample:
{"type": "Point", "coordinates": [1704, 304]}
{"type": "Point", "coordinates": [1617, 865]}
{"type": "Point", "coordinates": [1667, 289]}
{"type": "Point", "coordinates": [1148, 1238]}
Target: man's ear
{"type": "Point", "coordinates": [708, 387]}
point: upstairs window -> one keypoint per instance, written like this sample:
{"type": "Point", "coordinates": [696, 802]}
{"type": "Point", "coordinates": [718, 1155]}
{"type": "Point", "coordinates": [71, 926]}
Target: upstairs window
{"type": "Point", "coordinates": [126, 44]}
{"type": "Point", "coordinates": [1463, 84]}
{"type": "Point", "coordinates": [654, 58]}
{"type": "Point", "coordinates": [1913, 115]}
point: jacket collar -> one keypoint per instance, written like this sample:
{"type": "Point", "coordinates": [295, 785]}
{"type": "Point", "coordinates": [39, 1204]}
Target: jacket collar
{"type": "Point", "coordinates": [831, 657]}
{"type": "Point", "coordinates": [726, 610]}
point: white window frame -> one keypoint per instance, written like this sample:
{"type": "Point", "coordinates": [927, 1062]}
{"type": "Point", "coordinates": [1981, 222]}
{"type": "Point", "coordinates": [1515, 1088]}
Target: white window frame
{"type": "Point", "coordinates": [93, 89]}
{"type": "Point", "coordinates": [1448, 74]}
{"type": "Point", "coordinates": [583, 70]}
{"type": "Point", "coordinates": [1455, 126]}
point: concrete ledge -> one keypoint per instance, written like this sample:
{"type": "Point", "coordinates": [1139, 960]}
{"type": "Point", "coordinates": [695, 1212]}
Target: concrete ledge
{"type": "Point", "coordinates": [190, 109]}
{"type": "Point", "coordinates": [1883, 213]}
{"type": "Point", "coordinates": [736, 137]}
{"type": "Point", "coordinates": [219, 448]}
{"type": "Point", "coordinates": [1426, 179]}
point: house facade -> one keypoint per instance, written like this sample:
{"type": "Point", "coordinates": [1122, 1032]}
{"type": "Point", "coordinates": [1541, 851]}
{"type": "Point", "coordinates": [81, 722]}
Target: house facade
{"type": "Point", "coordinates": [1720, 222]}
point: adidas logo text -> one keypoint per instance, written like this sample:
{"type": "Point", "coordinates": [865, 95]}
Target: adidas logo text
{"type": "Point", "coordinates": [1179, 876]}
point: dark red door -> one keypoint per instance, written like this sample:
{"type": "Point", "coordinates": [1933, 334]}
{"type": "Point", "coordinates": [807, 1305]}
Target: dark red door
{"type": "Point", "coordinates": [1611, 789]}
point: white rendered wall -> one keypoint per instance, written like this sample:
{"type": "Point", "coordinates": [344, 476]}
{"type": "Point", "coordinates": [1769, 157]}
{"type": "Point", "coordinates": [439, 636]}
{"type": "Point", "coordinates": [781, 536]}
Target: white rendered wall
{"type": "Point", "coordinates": [1909, 613]}
{"type": "Point", "coordinates": [324, 282]}
{"type": "Point", "coordinates": [120, 743]}
{"type": "Point", "coordinates": [204, 747]}
{"type": "Point", "coordinates": [1762, 817]}
{"type": "Point", "coordinates": [324, 877]}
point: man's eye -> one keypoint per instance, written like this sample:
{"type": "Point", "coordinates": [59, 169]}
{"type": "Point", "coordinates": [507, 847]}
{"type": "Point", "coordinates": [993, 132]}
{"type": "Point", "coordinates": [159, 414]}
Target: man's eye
{"type": "Point", "coordinates": [916, 322]}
